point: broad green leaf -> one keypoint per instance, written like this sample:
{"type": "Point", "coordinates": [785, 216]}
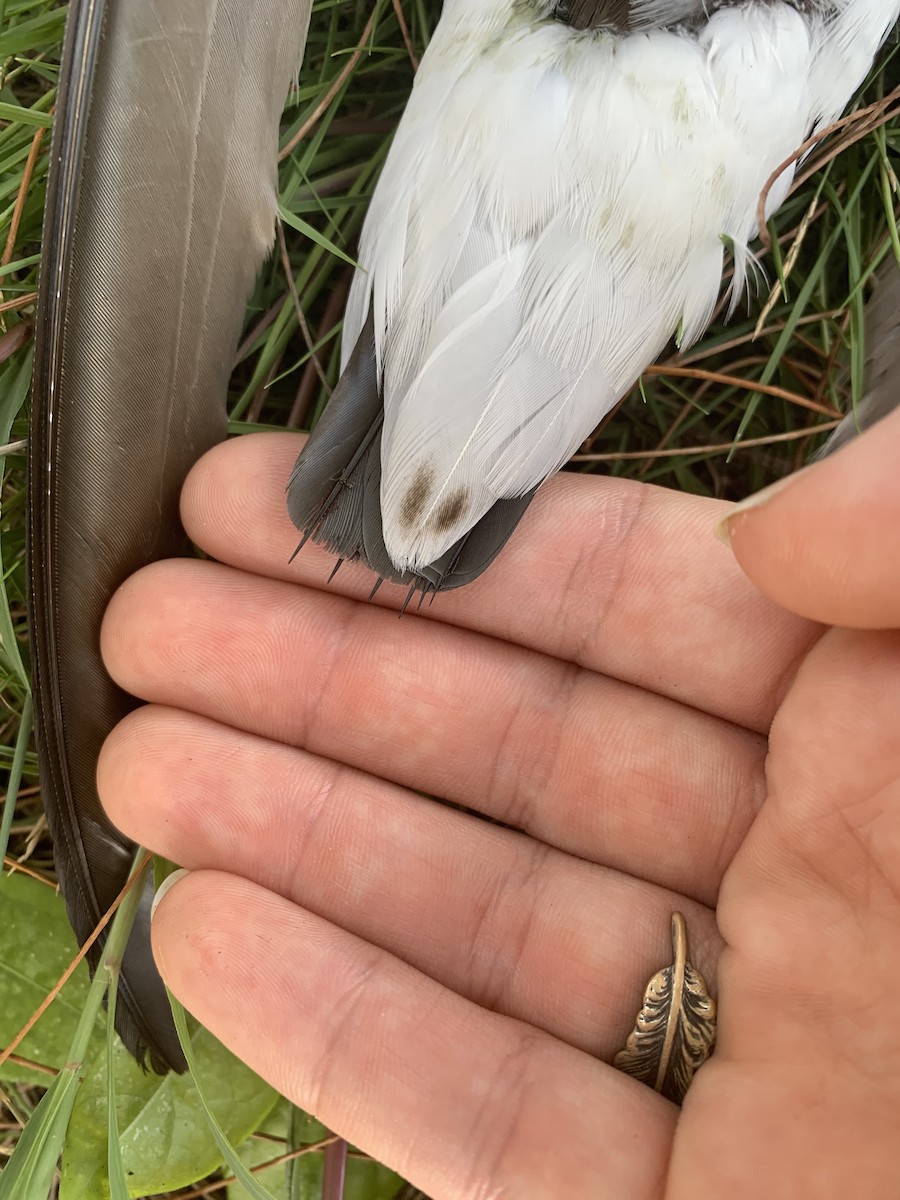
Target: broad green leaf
{"type": "Point", "coordinates": [166, 1143]}
{"type": "Point", "coordinates": [31, 1168]}
{"type": "Point", "coordinates": [36, 946]}
{"type": "Point", "coordinates": [365, 1180]}
{"type": "Point", "coordinates": [368, 1180]}
{"type": "Point", "coordinates": [257, 1150]}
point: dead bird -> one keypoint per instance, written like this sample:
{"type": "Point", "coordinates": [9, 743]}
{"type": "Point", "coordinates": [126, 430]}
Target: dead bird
{"type": "Point", "coordinates": [554, 208]}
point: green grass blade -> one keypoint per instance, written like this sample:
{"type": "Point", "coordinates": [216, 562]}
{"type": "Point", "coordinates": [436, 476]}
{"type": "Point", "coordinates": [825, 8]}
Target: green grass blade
{"type": "Point", "coordinates": [229, 1152]}
{"type": "Point", "coordinates": [15, 776]}
{"type": "Point", "coordinates": [314, 236]}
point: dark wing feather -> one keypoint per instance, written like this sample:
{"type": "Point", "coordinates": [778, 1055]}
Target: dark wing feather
{"type": "Point", "coordinates": [624, 15]}
{"type": "Point", "coordinates": [334, 494]}
{"type": "Point", "coordinates": [160, 211]}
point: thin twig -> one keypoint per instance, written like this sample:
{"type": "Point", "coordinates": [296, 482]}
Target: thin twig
{"type": "Point", "coordinates": [684, 360]}
{"type": "Point", "coordinates": [833, 356]}
{"type": "Point", "coordinates": [301, 317]}
{"type": "Point", "coordinates": [30, 1065]}
{"type": "Point", "coordinates": [334, 307]}
{"type": "Point", "coordinates": [30, 162]}
{"type": "Point", "coordinates": [789, 263]}
{"type": "Point", "coordinates": [876, 114]}
{"type": "Point", "coordinates": [14, 865]}
{"type": "Point", "coordinates": [722, 448]}
{"type": "Point", "coordinates": [210, 1189]}
{"type": "Point", "coordinates": [404, 31]}
{"type": "Point", "coordinates": [336, 86]}
{"type": "Point", "coordinates": [19, 302]}
{"type": "Point", "coordinates": [749, 385]}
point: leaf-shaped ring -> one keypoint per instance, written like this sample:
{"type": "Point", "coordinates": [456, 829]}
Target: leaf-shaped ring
{"type": "Point", "coordinates": [675, 1031]}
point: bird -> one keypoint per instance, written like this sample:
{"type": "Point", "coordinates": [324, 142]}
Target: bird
{"type": "Point", "coordinates": [554, 209]}
{"type": "Point", "coordinates": [160, 211]}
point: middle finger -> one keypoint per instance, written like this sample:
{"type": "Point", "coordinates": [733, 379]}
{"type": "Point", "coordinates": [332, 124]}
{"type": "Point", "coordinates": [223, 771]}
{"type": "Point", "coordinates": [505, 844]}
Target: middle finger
{"type": "Point", "coordinates": [590, 765]}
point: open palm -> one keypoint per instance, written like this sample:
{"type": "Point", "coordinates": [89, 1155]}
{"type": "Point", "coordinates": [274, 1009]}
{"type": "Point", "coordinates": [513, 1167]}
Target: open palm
{"type": "Point", "coordinates": [447, 992]}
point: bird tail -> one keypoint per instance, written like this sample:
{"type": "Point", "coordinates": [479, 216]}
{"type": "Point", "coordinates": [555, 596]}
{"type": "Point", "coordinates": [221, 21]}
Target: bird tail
{"type": "Point", "coordinates": [334, 494]}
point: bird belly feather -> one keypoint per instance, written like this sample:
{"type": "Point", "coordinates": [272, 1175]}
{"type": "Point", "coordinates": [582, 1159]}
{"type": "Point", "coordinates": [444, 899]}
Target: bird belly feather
{"type": "Point", "coordinates": [553, 210]}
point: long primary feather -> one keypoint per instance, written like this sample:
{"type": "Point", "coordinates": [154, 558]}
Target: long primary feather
{"type": "Point", "coordinates": [160, 212]}
{"type": "Point", "coordinates": [552, 211]}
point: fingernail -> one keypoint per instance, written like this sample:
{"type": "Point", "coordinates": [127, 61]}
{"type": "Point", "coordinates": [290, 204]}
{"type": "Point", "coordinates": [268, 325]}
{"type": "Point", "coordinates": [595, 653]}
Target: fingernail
{"type": "Point", "coordinates": [724, 526]}
{"type": "Point", "coordinates": [167, 884]}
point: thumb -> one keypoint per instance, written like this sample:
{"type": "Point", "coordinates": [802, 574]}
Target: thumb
{"type": "Point", "coordinates": [825, 543]}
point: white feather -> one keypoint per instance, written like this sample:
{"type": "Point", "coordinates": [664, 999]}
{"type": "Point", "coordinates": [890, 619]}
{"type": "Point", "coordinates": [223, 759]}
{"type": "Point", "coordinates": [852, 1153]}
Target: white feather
{"type": "Point", "coordinates": [553, 210]}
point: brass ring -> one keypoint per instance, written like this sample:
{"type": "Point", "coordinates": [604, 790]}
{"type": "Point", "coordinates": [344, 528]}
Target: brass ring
{"type": "Point", "coordinates": [675, 1031]}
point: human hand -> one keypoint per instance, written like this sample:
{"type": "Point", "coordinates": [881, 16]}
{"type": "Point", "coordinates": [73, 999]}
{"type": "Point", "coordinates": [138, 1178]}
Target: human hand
{"type": "Point", "coordinates": [447, 993]}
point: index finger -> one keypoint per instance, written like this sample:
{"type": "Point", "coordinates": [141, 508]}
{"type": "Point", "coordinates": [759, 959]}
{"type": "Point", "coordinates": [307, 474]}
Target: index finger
{"type": "Point", "coordinates": [619, 577]}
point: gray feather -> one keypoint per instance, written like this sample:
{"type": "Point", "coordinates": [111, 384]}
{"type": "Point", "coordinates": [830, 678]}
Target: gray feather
{"type": "Point", "coordinates": [624, 15]}
{"type": "Point", "coordinates": [882, 393]}
{"type": "Point", "coordinates": [160, 211]}
{"type": "Point", "coordinates": [334, 494]}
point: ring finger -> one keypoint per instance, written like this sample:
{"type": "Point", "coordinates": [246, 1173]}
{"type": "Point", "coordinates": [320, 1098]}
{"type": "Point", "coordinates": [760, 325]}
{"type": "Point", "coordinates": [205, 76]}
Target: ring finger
{"type": "Point", "coordinates": [513, 925]}
{"type": "Point", "coordinates": [591, 765]}
{"type": "Point", "coordinates": [462, 1101]}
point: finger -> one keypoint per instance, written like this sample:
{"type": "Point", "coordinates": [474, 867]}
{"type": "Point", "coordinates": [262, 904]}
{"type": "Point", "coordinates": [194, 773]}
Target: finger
{"type": "Point", "coordinates": [825, 545]}
{"type": "Point", "coordinates": [618, 577]}
{"type": "Point", "coordinates": [495, 916]}
{"type": "Point", "coordinates": [375, 1050]}
{"type": "Point", "coordinates": [812, 973]}
{"type": "Point", "coordinates": [584, 763]}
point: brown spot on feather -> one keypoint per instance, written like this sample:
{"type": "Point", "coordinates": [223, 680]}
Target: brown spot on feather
{"type": "Point", "coordinates": [450, 510]}
{"type": "Point", "coordinates": [417, 496]}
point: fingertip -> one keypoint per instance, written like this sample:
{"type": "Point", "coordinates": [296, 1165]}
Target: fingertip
{"type": "Point", "coordinates": [178, 917]}
{"type": "Point", "coordinates": [236, 478]}
{"type": "Point", "coordinates": [823, 543]}
{"type": "Point", "coordinates": [136, 621]}
{"type": "Point", "coordinates": [165, 887]}
{"type": "Point", "coordinates": [118, 619]}
{"type": "Point", "coordinates": [118, 789]}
